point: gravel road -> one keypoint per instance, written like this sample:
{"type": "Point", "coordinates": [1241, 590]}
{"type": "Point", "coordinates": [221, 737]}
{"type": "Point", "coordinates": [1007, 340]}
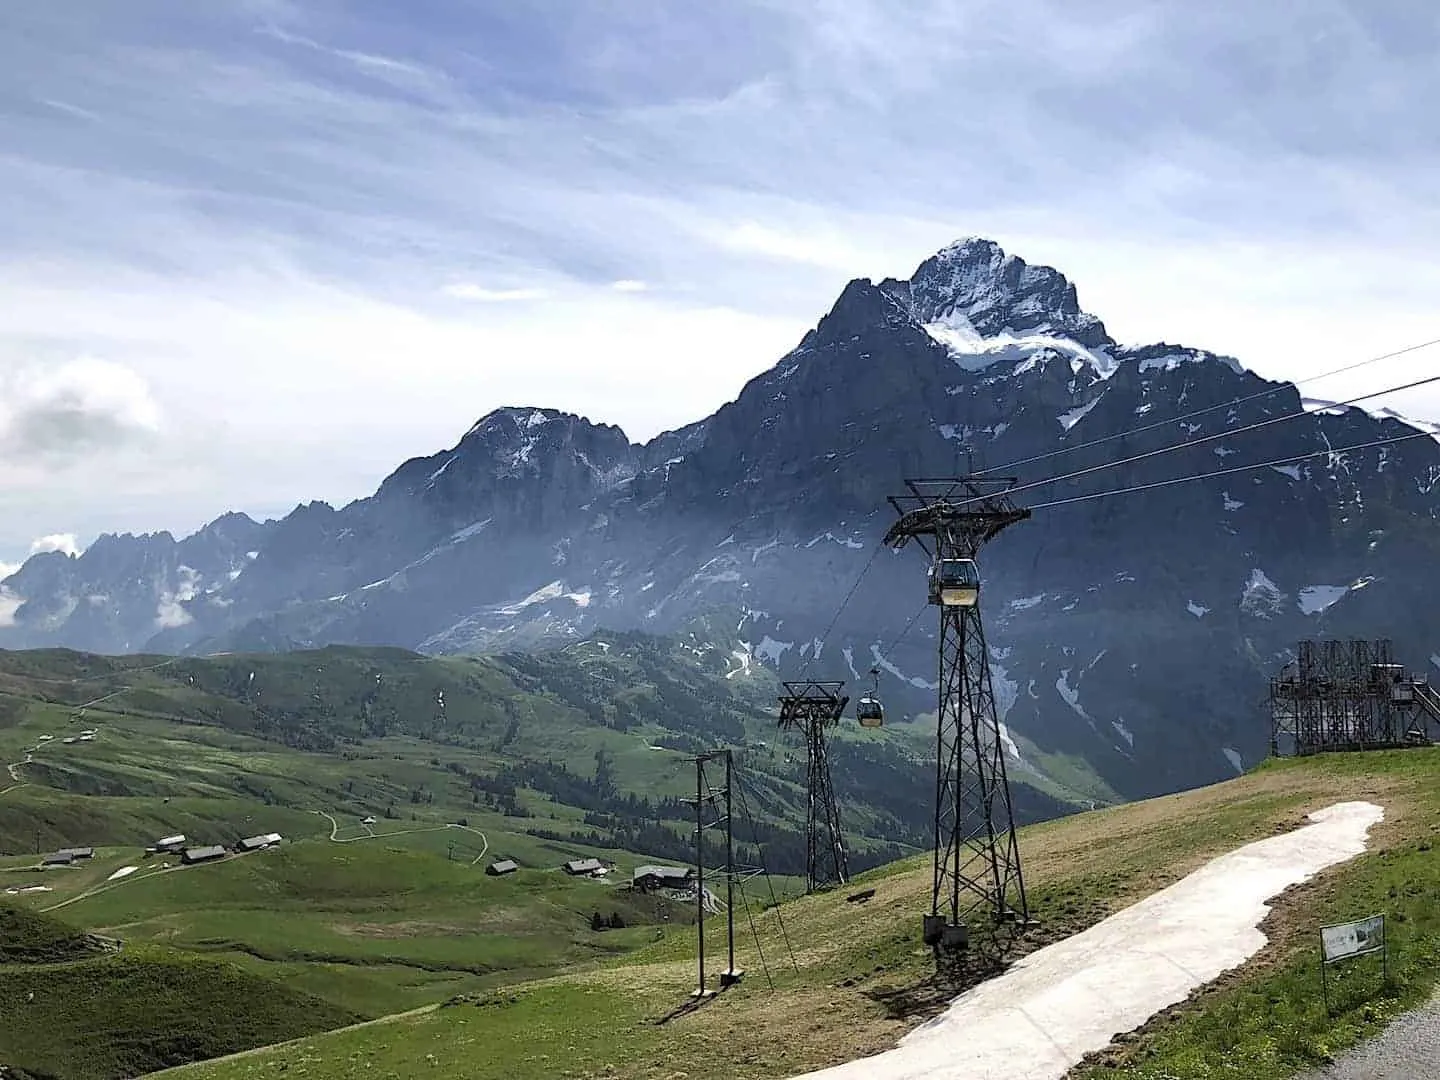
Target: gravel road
{"type": "Point", "coordinates": [1409, 1049]}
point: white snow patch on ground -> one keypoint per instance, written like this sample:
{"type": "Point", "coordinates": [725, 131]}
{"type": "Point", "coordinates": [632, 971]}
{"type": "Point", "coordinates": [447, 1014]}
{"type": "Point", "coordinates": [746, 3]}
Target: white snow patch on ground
{"type": "Point", "coordinates": [772, 650]}
{"type": "Point", "coordinates": [849, 655]}
{"type": "Point", "coordinates": [1026, 602]}
{"type": "Point", "coordinates": [1292, 471]}
{"type": "Point", "coordinates": [1231, 504]}
{"type": "Point", "coordinates": [580, 599]}
{"type": "Point", "coordinates": [124, 871]}
{"type": "Point", "coordinates": [1036, 1021]}
{"type": "Point", "coordinates": [1435, 659]}
{"type": "Point", "coordinates": [1313, 599]}
{"type": "Point", "coordinates": [741, 654]}
{"type": "Point", "coordinates": [1233, 756]}
{"type": "Point", "coordinates": [1069, 419]}
{"type": "Point", "coordinates": [1198, 610]}
{"type": "Point", "coordinates": [1124, 732]}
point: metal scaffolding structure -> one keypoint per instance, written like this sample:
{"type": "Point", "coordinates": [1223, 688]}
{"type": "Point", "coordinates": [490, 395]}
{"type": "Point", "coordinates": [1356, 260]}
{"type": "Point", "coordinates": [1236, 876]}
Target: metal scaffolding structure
{"type": "Point", "coordinates": [1348, 695]}
{"type": "Point", "coordinates": [976, 857]}
{"type": "Point", "coordinates": [813, 708]}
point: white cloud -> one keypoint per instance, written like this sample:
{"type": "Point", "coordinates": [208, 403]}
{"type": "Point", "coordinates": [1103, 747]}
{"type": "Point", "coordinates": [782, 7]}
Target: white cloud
{"type": "Point", "coordinates": [469, 291]}
{"type": "Point", "coordinates": [8, 568]}
{"type": "Point", "coordinates": [629, 285]}
{"type": "Point", "coordinates": [62, 542]}
{"type": "Point", "coordinates": [73, 408]}
{"type": "Point", "coordinates": [9, 605]}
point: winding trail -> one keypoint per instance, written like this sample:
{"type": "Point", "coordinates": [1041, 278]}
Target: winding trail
{"type": "Point", "coordinates": [371, 834]}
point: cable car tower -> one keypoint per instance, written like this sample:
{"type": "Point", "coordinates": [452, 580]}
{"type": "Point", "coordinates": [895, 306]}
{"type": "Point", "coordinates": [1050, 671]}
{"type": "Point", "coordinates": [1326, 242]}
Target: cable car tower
{"type": "Point", "coordinates": [814, 708]}
{"type": "Point", "coordinates": [977, 859]}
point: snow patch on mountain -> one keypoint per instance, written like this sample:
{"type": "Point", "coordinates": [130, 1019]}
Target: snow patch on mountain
{"type": "Point", "coordinates": [973, 351]}
{"type": "Point", "coordinates": [846, 542]}
{"type": "Point", "coordinates": [1198, 610]}
{"type": "Point", "coordinates": [1261, 597]}
{"type": "Point", "coordinates": [1069, 419]}
{"type": "Point", "coordinates": [849, 655]}
{"type": "Point", "coordinates": [1231, 504]}
{"type": "Point", "coordinates": [772, 650]}
{"type": "Point", "coordinates": [1124, 732]}
{"type": "Point", "coordinates": [1313, 599]}
{"type": "Point", "coordinates": [1233, 756]}
{"type": "Point", "coordinates": [1025, 603]}
{"type": "Point", "coordinates": [553, 591]}
{"type": "Point", "coordinates": [1292, 471]}
{"type": "Point", "coordinates": [743, 656]}
{"type": "Point", "coordinates": [886, 665]}
{"type": "Point", "coordinates": [1071, 696]}
{"type": "Point", "coordinates": [461, 535]}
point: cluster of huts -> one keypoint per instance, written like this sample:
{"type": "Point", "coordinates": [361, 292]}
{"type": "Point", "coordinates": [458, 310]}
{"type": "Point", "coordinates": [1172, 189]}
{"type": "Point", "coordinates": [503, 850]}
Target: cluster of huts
{"type": "Point", "coordinates": [643, 878]}
{"type": "Point", "coordinates": [172, 845]}
{"type": "Point", "coordinates": [67, 856]}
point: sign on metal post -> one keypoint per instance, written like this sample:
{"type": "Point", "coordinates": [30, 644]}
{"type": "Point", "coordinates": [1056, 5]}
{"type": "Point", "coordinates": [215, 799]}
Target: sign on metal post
{"type": "Point", "coordinates": [1345, 941]}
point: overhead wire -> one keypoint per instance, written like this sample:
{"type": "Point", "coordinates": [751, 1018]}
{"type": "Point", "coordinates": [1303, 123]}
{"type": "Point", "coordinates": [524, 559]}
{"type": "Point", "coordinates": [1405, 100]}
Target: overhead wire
{"type": "Point", "coordinates": [1212, 408]}
{"type": "Point", "coordinates": [1091, 470]}
{"type": "Point", "coordinates": [1277, 463]}
{"type": "Point", "coordinates": [1190, 443]}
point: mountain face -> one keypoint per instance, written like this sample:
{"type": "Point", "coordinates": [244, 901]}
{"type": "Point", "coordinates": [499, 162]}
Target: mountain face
{"type": "Point", "coordinates": [1131, 636]}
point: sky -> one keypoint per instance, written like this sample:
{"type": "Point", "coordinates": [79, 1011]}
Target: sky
{"type": "Point", "coordinates": [258, 252]}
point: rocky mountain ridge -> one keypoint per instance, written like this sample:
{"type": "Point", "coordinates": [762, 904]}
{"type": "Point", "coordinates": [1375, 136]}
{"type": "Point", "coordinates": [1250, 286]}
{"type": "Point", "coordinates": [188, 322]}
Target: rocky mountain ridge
{"type": "Point", "coordinates": [1131, 635]}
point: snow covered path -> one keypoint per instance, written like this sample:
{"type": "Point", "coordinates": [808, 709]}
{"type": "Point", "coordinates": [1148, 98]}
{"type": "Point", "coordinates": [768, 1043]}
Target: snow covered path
{"type": "Point", "coordinates": [1061, 1002]}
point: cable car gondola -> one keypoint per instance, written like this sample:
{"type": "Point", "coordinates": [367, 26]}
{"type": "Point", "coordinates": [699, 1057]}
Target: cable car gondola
{"type": "Point", "coordinates": [955, 583]}
{"type": "Point", "coordinates": [868, 710]}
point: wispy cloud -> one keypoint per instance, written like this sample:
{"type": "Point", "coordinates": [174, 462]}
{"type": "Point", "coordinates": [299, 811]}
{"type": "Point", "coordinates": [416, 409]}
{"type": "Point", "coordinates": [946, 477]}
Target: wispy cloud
{"type": "Point", "coordinates": [466, 290]}
{"type": "Point", "coordinates": [65, 543]}
{"type": "Point", "coordinates": [324, 238]}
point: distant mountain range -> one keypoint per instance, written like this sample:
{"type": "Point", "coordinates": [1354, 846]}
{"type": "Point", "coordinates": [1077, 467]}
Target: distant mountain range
{"type": "Point", "coordinates": [1131, 636]}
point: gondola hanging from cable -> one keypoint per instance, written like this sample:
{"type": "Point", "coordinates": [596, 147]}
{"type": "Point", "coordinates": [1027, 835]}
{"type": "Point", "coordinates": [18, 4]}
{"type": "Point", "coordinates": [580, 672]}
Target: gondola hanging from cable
{"type": "Point", "coordinates": [954, 583]}
{"type": "Point", "coordinates": [868, 710]}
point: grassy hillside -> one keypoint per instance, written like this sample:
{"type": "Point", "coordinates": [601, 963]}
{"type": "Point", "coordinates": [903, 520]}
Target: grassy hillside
{"type": "Point", "coordinates": [859, 980]}
{"type": "Point", "coordinates": [66, 1011]}
{"type": "Point", "coordinates": [395, 779]}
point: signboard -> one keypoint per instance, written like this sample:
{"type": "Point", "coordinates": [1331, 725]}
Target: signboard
{"type": "Point", "coordinates": [1347, 940]}
{"type": "Point", "coordinates": [1353, 938]}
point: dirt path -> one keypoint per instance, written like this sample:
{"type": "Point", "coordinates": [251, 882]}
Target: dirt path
{"type": "Point", "coordinates": [371, 834]}
{"type": "Point", "coordinates": [1409, 1049]}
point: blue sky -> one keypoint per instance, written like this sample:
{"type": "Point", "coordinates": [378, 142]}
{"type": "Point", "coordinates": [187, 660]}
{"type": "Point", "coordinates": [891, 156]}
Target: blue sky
{"type": "Point", "coordinates": [260, 251]}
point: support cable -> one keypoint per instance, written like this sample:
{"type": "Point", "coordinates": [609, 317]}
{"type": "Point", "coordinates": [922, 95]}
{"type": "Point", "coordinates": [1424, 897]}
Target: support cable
{"type": "Point", "coordinates": [769, 882]}
{"type": "Point", "coordinates": [1231, 471]}
{"type": "Point", "coordinates": [1213, 408]}
{"type": "Point", "coordinates": [1212, 438]}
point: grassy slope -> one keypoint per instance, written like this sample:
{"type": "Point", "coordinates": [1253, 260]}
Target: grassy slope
{"type": "Point", "coordinates": [66, 1011]}
{"type": "Point", "coordinates": [859, 980]}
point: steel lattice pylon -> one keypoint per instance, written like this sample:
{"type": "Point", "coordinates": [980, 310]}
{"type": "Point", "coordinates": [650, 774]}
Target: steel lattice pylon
{"type": "Point", "coordinates": [814, 707]}
{"type": "Point", "coordinates": [976, 858]}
